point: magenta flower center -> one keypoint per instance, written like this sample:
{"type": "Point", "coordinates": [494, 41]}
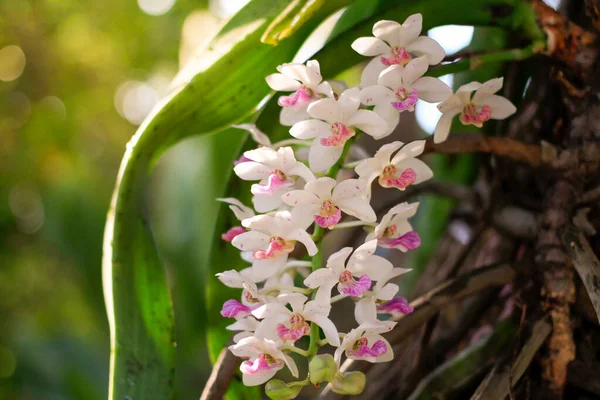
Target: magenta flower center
{"type": "Point", "coordinates": [276, 180]}
{"type": "Point", "coordinates": [264, 362]}
{"type": "Point", "coordinates": [389, 178]}
{"type": "Point", "coordinates": [329, 215]}
{"type": "Point", "coordinates": [277, 247]}
{"type": "Point", "coordinates": [396, 306]}
{"type": "Point", "coordinates": [361, 349]}
{"type": "Point", "coordinates": [340, 133]}
{"type": "Point", "coordinates": [235, 309]}
{"type": "Point", "coordinates": [298, 327]}
{"type": "Point", "coordinates": [352, 287]}
{"type": "Point", "coordinates": [398, 56]}
{"type": "Point", "coordinates": [301, 96]}
{"type": "Point", "coordinates": [472, 116]}
{"type": "Point", "coordinates": [406, 101]}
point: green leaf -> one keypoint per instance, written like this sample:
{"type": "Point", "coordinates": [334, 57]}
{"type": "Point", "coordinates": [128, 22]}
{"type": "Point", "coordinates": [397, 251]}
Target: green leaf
{"type": "Point", "coordinates": [290, 20]}
{"type": "Point", "coordinates": [224, 86]}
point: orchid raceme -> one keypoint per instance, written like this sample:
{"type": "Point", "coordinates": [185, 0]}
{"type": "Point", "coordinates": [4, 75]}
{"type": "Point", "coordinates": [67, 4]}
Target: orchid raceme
{"type": "Point", "coordinates": [399, 171]}
{"type": "Point", "coordinates": [305, 82]}
{"type": "Point", "coordinates": [303, 188]}
{"type": "Point", "coordinates": [399, 88]}
{"type": "Point", "coordinates": [394, 231]}
{"type": "Point", "coordinates": [276, 170]}
{"type": "Point", "coordinates": [396, 44]}
{"type": "Point", "coordinates": [324, 199]}
{"type": "Point", "coordinates": [334, 123]}
{"type": "Point", "coordinates": [474, 110]}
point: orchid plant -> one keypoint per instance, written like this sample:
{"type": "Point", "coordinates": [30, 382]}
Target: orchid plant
{"type": "Point", "coordinates": [300, 201]}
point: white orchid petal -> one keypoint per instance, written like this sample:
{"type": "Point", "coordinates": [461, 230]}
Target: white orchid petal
{"type": "Point", "coordinates": [309, 129]}
{"type": "Point", "coordinates": [388, 31]}
{"type": "Point", "coordinates": [321, 187]}
{"type": "Point", "coordinates": [389, 114]}
{"type": "Point", "coordinates": [313, 71]}
{"type": "Point", "coordinates": [320, 277]}
{"type": "Point", "coordinates": [349, 101]}
{"type": "Point", "coordinates": [371, 72]}
{"type": "Point", "coordinates": [321, 158]}
{"type": "Point", "coordinates": [376, 94]}
{"type": "Point", "coordinates": [432, 90]}
{"type": "Point", "coordinates": [391, 77]}
{"type": "Point", "coordinates": [296, 71]}
{"type": "Point", "coordinates": [329, 329]}
{"type": "Point", "coordinates": [365, 310]}
{"type": "Point", "coordinates": [501, 107]}
{"type": "Point", "coordinates": [426, 46]}
{"type": "Point", "coordinates": [282, 83]}
{"type": "Point", "coordinates": [300, 197]}
{"type": "Point", "coordinates": [370, 46]}
{"type": "Point", "coordinates": [409, 150]}
{"type": "Point", "coordinates": [414, 70]}
{"type": "Point", "coordinates": [442, 129]}
{"type": "Point", "coordinates": [251, 241]}
{"type": "Point", "coordinates": [303, 237]}
{"type": "Point", "coordinates": [326, 110]}
{"type": "Point", "coordinates": [251, 171]}
{"type": "Point", "coordinates": [292, 115]}
{"type": "Point", "coordinates": [370, 123]}
{"type": "Point", "coordinates": [488, 88]}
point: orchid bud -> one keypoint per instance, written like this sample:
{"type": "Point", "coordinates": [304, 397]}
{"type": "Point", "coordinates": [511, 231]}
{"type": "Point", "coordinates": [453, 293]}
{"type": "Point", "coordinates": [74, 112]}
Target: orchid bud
{"type": "Point", "coordinates": [279, 390]}
{"type": "Point", "coordinates": [322, 368]}
{"type": "Point", "coordinates": [350, 383]}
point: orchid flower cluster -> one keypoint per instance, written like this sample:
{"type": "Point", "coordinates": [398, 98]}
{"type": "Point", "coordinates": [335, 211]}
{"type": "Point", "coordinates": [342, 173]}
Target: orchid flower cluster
{"type": "Point", "coordinates": [295, 194]}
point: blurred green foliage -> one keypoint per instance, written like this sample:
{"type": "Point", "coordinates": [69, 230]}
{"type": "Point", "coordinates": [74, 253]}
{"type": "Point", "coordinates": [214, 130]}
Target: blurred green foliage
{"type": "Point", "coordinates": [61, 141]}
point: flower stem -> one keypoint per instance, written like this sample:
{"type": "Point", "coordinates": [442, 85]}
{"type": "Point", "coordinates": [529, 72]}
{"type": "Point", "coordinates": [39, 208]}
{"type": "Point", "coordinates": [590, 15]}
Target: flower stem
{"type": "Point", "coordinates": [476, 61]}
{"type": "Point", "coordinates": [303, 353]}
{"type": "Point", "coordinates": [353, 224]}
{"type": "Point", "coordinates": [285, 287]}
{"type": "Point", "coordinates": [289, 142]}
{"type": "Point", "coordinates": [337, 298]}
{"type": "Point", "coordinates": [303, 382]}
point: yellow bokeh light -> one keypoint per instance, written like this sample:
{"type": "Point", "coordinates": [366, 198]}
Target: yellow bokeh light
{"type": "Point", "coordinates": [12, 63]}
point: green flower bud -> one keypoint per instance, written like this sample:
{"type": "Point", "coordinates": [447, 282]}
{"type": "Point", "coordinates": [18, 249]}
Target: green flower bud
{"type": "Point", "coordinates": [279, 390]}
{"type": "Point", "coordinates": [322, 368]}
{"type": "Point", "coordinates": [349, 383]}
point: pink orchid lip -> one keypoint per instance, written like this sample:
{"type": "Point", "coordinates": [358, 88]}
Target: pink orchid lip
{"type": "Point", "coordinates": [232, 233]}
{"type": "Point", "coordinates": [398, 305]}
{"type": "Point", "coordinates": [235, 309]}
{"type": "Point", "coordinates": [352, 287]}
{"type": "Point", "coordinates": [264, 362]}
{"type": "Point", "coordinates": [407, 178]}
{"type": "Point", "coordinates": [398, 56]}
{"type": "Point", "coordinates": [277, 247]}
{"type": "Point", "coordinates": [329, 220]}
{"type": "Point", "coordinates": [361, 349]}
{"type": "Point", "coordinates": [340, 134]}
{"type": "Point", "coordinates": [276, 180]}
{"type": "Point", "coordinates": [298, 328]}
{"type": "Point", "coordinates": [470, 116]}
{"type": "Point", "coordinates": [300, 96]}
{"type": "Point", "coordinates": [408, 102]}
{"type": "Point", "coordinates": [409, 241]}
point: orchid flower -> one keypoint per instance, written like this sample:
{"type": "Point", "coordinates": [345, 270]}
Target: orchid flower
{"type": "Point", "coordinates": [398, 172]}
{"type": "Point", "coordinates": [324, 199]}
{"type": "Point", "coordinates": [481, 107]}
{"type": "Point", "coordinates": [366, 343]}
{"type": "Point", "coordinates": [363, 264]}
{"type": "Point", "coordinates": [241, 212]}
{"type": "Point", "coordinates": [251, 299]}
{"type": "Point", "coordinates": [276, 170]}
{"type": "Point", "coordinates": [365, 309]}
{"type": "Point", "coordinates": [334, 123]}
{"type": "Point", "coordinates": [264, 360]}
{"type": "Point", "coordinates": [398, 89]}
{"type": "Point", "coordinates": [279, 322]}
{"type": "Point", "coordinates": [271, 239]}
{"type": "Point", "coordinates": [394, 231]}
{"type": "Point", "coordinates": [306, 83]}
{"type": "Point", "coordinates": [395, 44]}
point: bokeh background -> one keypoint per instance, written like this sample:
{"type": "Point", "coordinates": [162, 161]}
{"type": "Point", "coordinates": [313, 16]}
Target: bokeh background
{"type": "Point", "coordinates": [76, 78]}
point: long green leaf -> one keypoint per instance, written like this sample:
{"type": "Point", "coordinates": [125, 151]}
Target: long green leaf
{"type": "Point", "coordinates": [223, 87]}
